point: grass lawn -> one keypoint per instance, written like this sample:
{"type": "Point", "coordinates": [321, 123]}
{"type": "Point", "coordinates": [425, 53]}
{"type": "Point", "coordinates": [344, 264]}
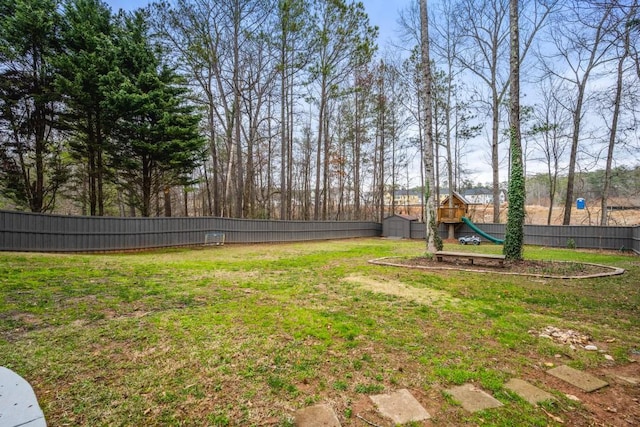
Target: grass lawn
{"type": "Point", "coordinates": [247, 334]}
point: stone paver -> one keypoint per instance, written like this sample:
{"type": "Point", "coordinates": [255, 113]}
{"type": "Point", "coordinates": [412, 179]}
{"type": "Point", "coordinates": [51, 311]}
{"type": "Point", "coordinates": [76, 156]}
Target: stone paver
{"type": "Point", "coordinates": [18, 403]}
{"type": "Point", "coordinates": [629, 380]}
{"type": "Point", "coordinates": [528, 392]}
{"type": "Point", "coordinates": [582, 380]}
{"type": "Point", "coordinates": [401, 407]}
{"type": "Point", "coordinates": [317, 416]}
{"type": "Point", "coordinates": [472, 398]}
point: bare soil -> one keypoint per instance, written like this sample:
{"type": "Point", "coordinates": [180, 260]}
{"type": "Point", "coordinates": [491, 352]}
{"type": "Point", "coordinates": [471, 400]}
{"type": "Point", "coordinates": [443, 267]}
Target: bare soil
{"type": "Point", "coordinates": [538, 215]}
{"type": "Point", "coordinates": [617, 405]}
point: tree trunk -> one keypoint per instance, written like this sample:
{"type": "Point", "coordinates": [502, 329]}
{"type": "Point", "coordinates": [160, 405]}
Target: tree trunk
{"type": "Point", "coordinates": [553, 180]}
{"type": "Point", "coordinates": [92, 165]}
{"type": "Point", "coordinates": [381, 142]}
{"type": "Point", "coordinates": [356, 153]}
{"type": "Point", "coordinates": [239, 178]}
{"type": "Point", "coordinates": [284, 132]}
{"type": "Point", "coordinates": [99, 163]}
{"type": "Point", "coordinates": [284, 155]}
{"type": "Point", "coordinates": [514, 235]}
{"type": "Point", "coordinates": [289, 196]}
{"type": "Point", "coordinates": [166, 195]}
{"type": "Point", "coordinates": [215, 205]}
{"type": "Point", "coordinates": [495, 160]}
{"type": "Point", "coordinates": [91, 161]}
{"type": "Point", "coordinates": [326, 183]}
{"type": "Point", "coordinates": [432, 238]}
{"type": "Point", "coordinates": [614, 130]}
{"type": "Point", "coordinates": [571, 175]}
{"type": "Point", "coordinates": [306, 172]}
{"type": "Point", "coordinates": [319, 147]}
{"type": "Point", "coordinates": [185, 195]}
{"type": "Point", "coordinates": [146, 188]}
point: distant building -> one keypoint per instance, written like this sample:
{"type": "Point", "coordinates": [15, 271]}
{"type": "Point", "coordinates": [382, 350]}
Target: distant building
{"type": "Point", "coordinates": [482, 196]}
{"type": "Point", "coordinates": [404, 198]}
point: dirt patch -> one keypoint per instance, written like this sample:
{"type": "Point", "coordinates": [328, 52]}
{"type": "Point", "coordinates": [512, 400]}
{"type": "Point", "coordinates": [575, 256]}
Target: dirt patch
{"type": "Point", "coordinates": [617, 405]}
{"type": "Point", "coordinates": [402, 290]}
{"type": "Point", "coordinates": [536, 268]}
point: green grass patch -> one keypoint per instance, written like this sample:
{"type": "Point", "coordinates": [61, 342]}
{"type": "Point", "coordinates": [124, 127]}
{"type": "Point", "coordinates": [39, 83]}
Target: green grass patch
{"type": "Point", "coordinates": [242, 334]}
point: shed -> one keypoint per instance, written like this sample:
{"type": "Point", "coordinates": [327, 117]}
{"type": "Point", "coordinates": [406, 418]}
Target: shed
{"type": "Point", "coordinates": [398, 225]}
{"type": "Point", "coordinates": [453, 215]}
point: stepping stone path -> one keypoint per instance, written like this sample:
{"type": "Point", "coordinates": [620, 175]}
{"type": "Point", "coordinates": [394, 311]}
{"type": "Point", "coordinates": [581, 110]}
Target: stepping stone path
{"type": "Point", "coordinates": [401, 407]}
{"type": "Point", "coordinates": [18, 403]}
{"type": "Point", "coordinates": [317, 416]}
{"type": "Point", "coordinates": [582, 380]}
{"type": "Point", "coordinates": [528, 392]}
{"type": "Point", "coordinates": [629, 380]}
{"type": "Point", "coordinates": [472, 398]}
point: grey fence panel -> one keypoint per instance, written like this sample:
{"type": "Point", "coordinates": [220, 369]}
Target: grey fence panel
{"type": "Point", "coordinates": [21, 231]}
{"type": "Point", "coordinates": [586, 237]}
{"type": "Point", "coordinates": [417, 230]}
{"type": "Point", "coordinates": [635, 240]}
{"type": "Point", "coordinates": [57, 233]}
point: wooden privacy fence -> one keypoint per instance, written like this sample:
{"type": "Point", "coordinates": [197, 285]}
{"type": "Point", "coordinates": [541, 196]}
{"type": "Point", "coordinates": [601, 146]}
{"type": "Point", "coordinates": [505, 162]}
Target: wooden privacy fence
{"type": "Point", "coordinates": [559, 236]}
{"type": "Point", "coordinates": [21, 231]}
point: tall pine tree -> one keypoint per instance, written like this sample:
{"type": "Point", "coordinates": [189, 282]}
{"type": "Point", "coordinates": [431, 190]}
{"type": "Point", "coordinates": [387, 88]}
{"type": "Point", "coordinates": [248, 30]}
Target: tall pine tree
{"type": "Point", "coordinates": [89, 56]}
{"type": "Point", "coordinates": [156, 139]}
{"type": "Point", "coordinates": [31, 170]}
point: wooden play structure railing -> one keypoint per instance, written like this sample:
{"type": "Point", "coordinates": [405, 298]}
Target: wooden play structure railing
{"type": "Point", "coordinates": [451, 215]}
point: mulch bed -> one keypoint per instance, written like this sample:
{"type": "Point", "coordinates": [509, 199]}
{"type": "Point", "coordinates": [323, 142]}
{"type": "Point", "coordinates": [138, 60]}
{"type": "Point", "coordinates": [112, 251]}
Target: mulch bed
{"type": "Point", "coordinates": [551, 269]}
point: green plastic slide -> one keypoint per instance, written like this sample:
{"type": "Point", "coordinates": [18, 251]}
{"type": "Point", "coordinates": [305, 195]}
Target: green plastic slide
{"type": "Point", "coordinates": [482, 233]}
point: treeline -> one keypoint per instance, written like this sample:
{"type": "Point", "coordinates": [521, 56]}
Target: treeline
{"type": "Point", "coordinates": [287, 108]}
{"type": "Point", "coordinates": [112, 113]}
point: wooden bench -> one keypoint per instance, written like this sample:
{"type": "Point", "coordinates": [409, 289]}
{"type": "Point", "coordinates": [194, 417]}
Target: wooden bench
{"type": "Point", "coordinates": [440, 255]}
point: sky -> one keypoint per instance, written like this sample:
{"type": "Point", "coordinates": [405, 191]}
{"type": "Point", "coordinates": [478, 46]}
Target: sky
{"type": "Point", "coordinates": [383, 13]}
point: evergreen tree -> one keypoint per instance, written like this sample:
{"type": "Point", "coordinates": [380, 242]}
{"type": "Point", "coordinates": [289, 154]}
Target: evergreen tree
{"type": "Point", "coordinates": [89, 57]}
{"type": "Point", "coordinates": [156, 139]}
{"type": "Point", "coordinates": [31, 170]}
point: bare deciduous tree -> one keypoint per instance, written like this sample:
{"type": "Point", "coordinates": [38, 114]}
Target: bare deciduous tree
{"type": "Point", "coordinates": [579, 35]}
{"type": "Point", "coordinates": [483, 25]}
{"type": "Point", "coordinates": [550, 131]}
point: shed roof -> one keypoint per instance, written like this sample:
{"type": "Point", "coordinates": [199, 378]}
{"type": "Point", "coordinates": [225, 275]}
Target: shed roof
{"type": "Point", "coordinates": [403, 216]}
